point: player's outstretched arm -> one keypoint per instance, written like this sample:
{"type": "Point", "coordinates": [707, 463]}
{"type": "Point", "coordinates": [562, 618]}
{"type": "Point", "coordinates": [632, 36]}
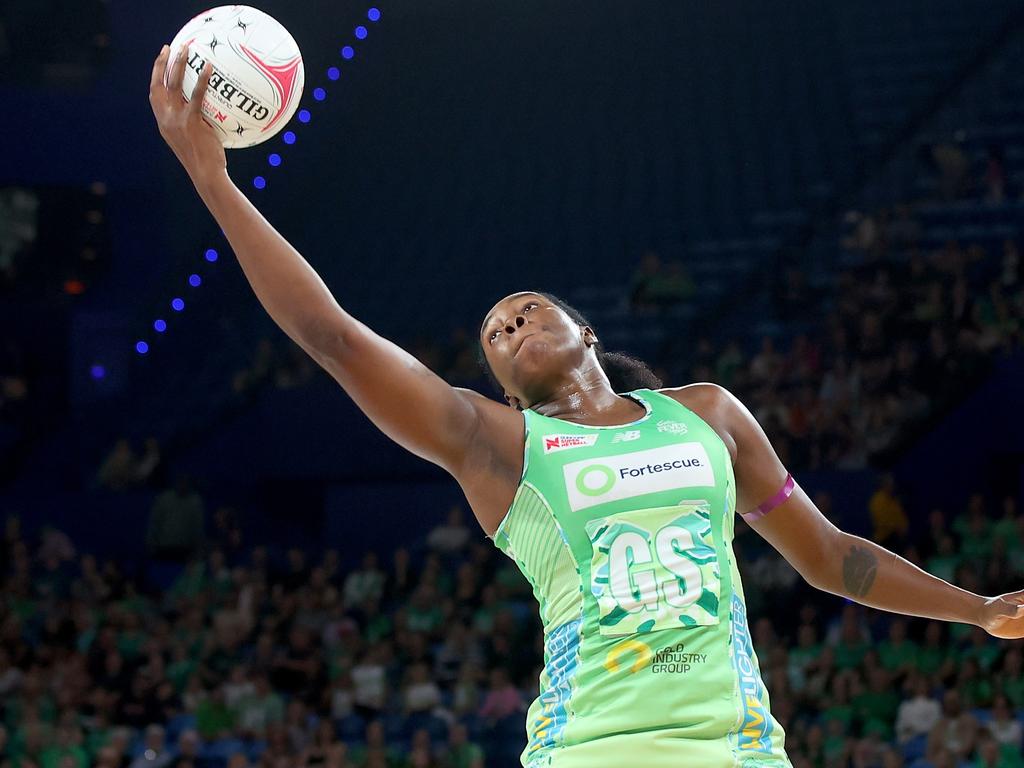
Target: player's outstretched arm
{"type": "Point", "coordinates": [402, 397]}
{"type": "Point", "coordinates": [839, 562]}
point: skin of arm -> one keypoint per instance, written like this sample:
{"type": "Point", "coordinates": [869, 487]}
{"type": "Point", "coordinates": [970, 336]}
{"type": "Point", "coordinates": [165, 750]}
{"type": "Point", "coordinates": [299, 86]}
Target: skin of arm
{"type": "Point", "coordinates": [409, 403]}
{"type": "Point", "coordinates": [826, 557]}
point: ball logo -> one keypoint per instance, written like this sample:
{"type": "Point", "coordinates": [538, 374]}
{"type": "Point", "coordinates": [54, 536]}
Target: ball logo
{"type": "Point", "coordinates": [231, 93]}
{"type": "Point", "coordinates": [610, 478]}
{"type": "Point", "coordinates": [595, 480]}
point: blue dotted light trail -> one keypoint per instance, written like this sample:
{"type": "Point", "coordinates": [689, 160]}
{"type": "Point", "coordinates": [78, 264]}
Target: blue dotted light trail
{"type": "Point", "coordinates": [274, 159]}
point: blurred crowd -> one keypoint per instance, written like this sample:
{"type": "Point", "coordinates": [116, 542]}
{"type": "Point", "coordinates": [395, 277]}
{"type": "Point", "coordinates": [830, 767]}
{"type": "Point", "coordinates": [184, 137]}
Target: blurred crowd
{"type": "Point", "coordinates": [904, 336]}
{"type": "Point", "coordinates": [859, 368]}
{"type": "Point", "coordinates": [427, 655]}
{"type": "Point", "coordinates": [902, 340]}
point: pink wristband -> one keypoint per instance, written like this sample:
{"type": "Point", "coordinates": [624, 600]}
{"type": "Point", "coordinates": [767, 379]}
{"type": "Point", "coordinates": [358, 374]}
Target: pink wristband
{"type": "Point", "coordinates": [784, 493]}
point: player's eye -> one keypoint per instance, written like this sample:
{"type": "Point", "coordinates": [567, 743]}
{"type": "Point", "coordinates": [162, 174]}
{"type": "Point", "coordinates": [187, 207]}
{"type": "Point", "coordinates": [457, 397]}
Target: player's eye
{"type": "Point", "coordinates": [529, 306]}
{"type": "Point", "coordinates": [490, 339]}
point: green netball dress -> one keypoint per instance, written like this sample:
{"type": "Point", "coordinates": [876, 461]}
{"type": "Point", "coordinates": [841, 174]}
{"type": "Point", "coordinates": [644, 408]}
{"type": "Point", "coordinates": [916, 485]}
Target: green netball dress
{"type": "Point", "coordinates": [625, 534]}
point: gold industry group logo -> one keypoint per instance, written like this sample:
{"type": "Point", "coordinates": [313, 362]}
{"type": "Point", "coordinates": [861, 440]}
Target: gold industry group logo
{"type": "Point", "coordinates": [635, 656]}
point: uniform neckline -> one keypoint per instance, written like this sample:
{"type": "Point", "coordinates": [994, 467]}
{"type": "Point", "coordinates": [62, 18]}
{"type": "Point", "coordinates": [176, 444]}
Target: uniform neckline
{"type": "Point", "coordinates": [632, 396]}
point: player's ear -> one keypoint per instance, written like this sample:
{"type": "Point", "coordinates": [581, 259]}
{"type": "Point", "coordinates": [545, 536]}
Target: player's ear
{"type": "Point", "coordinates": [589, 337]}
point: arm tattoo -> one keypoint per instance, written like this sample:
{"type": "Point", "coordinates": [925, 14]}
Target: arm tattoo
{"type": "Point", "coordinates": [859, 568]}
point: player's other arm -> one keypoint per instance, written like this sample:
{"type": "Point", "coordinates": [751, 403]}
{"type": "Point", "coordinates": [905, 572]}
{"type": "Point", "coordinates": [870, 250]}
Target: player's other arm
{"type": "Point", "coordinates": [833, 560]}
{"type": "Point", "coordinates": [402, 397]}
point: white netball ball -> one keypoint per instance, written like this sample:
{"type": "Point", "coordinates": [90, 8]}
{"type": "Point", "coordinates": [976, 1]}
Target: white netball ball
{"type": "Point", "coordinates": [257, 74]}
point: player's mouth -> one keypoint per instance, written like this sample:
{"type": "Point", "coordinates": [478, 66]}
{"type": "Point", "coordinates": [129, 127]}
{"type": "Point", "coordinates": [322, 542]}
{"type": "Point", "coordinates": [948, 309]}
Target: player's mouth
{"type": "Point", "coordinates": [521, 342]}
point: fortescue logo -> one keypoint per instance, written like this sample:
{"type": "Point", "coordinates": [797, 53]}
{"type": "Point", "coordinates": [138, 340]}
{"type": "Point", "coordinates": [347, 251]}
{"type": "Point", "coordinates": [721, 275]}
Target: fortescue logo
{"type": "Point", "coordinates": [611, 478]}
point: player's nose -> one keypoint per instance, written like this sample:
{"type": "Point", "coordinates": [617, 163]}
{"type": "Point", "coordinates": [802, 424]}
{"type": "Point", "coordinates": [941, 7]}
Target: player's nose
{"type": "Point", "coordinates": [515, 323]}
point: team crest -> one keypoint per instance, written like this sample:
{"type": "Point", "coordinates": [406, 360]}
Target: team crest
{"type": "Point", "coordinates": [553, 443]}
{"type": "Point", "coordinates": [674, 427]}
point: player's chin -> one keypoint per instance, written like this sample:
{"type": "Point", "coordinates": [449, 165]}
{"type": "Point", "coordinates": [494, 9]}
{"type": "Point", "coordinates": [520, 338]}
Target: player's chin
{"type": "Point", "coordinates": [533, 355]}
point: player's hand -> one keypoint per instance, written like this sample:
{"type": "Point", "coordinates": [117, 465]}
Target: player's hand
{"type": "Point", "coordinates": [193, 140]}
{"type": "Point", "coordinates": [1003, 615]}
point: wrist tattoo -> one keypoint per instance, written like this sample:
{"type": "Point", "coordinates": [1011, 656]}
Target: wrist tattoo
{"type": "Point", "coordinates": [859, 568]}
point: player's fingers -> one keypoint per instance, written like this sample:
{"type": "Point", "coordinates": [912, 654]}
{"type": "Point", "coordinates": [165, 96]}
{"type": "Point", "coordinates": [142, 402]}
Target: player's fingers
{"type": "Point", "coordinates": [195, 106]}
{"type": "Point", "coordinates": [156, 80]}
{"type": "Point", "coordinates": [178, 70]}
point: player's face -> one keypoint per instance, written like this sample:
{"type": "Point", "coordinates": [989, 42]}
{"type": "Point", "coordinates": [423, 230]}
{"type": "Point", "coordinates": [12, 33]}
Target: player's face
{"type": "Point", "coordinates": [530, 344]}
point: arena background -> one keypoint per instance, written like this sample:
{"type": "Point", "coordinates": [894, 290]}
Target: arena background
{"type": "Point", "coordinates": [818, 205]}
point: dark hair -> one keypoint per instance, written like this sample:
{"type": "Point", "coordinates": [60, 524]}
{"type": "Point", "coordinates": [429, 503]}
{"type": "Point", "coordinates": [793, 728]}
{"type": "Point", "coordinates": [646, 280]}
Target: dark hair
{"type": "Point", "coordinates": [625, 372]}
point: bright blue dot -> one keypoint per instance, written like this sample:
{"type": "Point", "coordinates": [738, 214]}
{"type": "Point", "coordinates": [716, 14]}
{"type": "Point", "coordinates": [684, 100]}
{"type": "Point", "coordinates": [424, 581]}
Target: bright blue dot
{"type": "Point", "coordinates": [142, 347]}
{"type": "Point", "coordinates": [333, 73]}
{"type": "Point", "coordinates": [211, 255]}
{"type": "Point", "coordinates": [274, 159]}
{"type": "Point", "coordinates": [289, 137]}
{"type": "Point", "coordinates": [319, 94]}
{"type": "Point", "coordinates": [348, 52]}
{"type": "Point", "coordinates": [259, 182]}
{"type": "Point", "coordinates": [159, 326]}
{"type": "Point", "coordinates": [361, 32]}
{"type": "Point", "coordinates": [98, 371]}
{"type": "Point", "coordinates": [177, 305]}
{"type": "Point", "coordinates": [195, 281]}
{"type": "Point", "coordinates": [303, 115]}
{"type": "Point", "coordinates": [373, 14]}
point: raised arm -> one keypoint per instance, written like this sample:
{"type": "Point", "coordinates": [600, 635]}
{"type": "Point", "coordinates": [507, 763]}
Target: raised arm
{"type": "Point", "coordinates": [402, 397]}
{"type": "Point", "coordinates": [839, 562]}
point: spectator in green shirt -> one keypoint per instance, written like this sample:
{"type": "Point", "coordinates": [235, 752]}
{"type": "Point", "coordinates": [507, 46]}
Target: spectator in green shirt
{"type": "Point", "coordinates": [176, 523]}
{"type": "Point", "coordinates": [837, 705]}
{"type": "Point", "coordinates": [807, 650]}
{"type": "Point", "coordinates": [898, 654]}
{"type": "Point", "coordinates": [214, 719]}
{"type": "Point", "coordinates": [1006, 527]}
{"type": "Point", "coordinates": [945, 561]}
{"type": "Point", "coordinates": [68, 752]}
{"type": "Point", "coordinates": [986, 653]}
{"type": "Point", "coordinates": [375, 751]}
{"type": "Point", "coordinates": [424, 614]}
{"type": "Point", "coordinates": [1011, 677]}
{"type": "Point", "coordinates": [991, 755]}
{"type": "Point", "coordinates": [460, 752]}
{"type": "Point", "coordinates": [837, 746]}
{"type": "Point", "coordinates": [852, 643]}
{"type": "Point", "coordinates": [933, 659]}
{"type": "Point", "coordinates": [876, 707]}
{"type": "Point", "coordinates": [259, 710]}
{"type": "Point", "coordinates": [975, 690]}
{"type": "Point", "coordinates": [973, 521]}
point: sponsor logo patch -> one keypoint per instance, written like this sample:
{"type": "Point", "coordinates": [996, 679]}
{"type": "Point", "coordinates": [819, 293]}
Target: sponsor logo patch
{"type": "Point", "coordinates": [555, 443]}
{"type": "Point", "coordinates": [634, 656]}
{"type": "Point", "coordinates": [755, 724]}
{"type": "Point", "coordinates": [611, 478]}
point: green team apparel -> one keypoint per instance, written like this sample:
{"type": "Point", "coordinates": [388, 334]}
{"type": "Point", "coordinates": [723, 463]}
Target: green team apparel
{"type": "Point", "coordinates": [625, 534]}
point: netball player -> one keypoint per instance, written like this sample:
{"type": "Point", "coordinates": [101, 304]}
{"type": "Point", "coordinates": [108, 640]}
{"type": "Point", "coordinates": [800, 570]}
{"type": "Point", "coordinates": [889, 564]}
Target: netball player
{"type": "Point", "coordinates": [617, 502]}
